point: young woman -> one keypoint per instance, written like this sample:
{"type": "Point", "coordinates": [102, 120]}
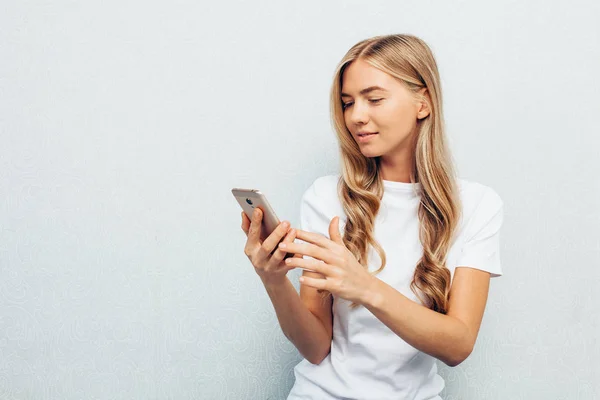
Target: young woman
{"type": "Point", "coordinates": [401, 250]}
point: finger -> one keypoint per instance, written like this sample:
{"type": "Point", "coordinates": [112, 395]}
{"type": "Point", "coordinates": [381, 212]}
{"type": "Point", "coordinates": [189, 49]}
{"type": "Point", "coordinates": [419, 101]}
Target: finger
{"type": "Point", "coordinates": [255, 226]}
{"type": "Point", "coordinates": [245, 223]}
{"type": "Point", "coordinates": [315, 238]}
{"type": "Point", "coordinates": [312, 274]}
{"type": "Point", "coordinates": [334, 231]}
{"type": "Point", "coordinates": [319, 284]}
{"type": "Point", "coordinates": [290, 237]}
{"type": "Point", "coordinates": [280, 254]}
{"type": "Point", "coordinates": [312, 250]}
{"type": "Point", "coordinates": [310, 265]}
{"type": "Point", "coordinates": [275, 237]}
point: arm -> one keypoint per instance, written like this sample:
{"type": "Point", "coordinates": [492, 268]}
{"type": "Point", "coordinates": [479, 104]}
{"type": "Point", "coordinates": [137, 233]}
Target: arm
{"type": "Point", "coordinates": [449, 338]}
{"type": "Point", "coordinates": [305, 320]}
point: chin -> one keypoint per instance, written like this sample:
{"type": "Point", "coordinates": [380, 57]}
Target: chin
{"type": "Point", "coordinates": [371, 153]}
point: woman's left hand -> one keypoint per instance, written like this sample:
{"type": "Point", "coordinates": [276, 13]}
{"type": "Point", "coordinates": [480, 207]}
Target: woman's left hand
{"type": "Point", "coordinates": [343, 274]}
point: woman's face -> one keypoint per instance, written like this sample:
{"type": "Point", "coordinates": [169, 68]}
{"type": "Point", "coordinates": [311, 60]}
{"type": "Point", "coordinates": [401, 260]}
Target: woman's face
{"type": "Point", "coordinates": [375, 102]}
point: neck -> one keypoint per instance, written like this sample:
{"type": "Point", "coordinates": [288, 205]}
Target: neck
{"type": "Point", "coordinates": [396, 168]}
{"type": "Point", "coordinates": [397, 165]}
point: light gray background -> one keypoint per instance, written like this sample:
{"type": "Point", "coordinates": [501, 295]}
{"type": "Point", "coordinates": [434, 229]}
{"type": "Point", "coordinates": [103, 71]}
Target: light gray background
{"type": "Point", "coordinates": [125, 124]}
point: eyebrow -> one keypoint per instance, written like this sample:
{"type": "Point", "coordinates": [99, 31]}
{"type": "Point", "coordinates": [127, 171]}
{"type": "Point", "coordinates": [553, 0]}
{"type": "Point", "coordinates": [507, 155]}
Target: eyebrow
{"type": "Point", "coordinates": [366, 90]}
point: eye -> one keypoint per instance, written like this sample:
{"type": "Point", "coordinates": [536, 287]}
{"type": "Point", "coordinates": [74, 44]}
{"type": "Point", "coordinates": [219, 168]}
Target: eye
{"type": "Point", "coordinates": [375, 100]}
{"type": "Point", "coordinates": [346, 105]}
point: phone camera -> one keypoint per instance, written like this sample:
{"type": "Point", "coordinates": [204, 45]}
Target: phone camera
{"type": "Point", "coordinates": [249, 201]}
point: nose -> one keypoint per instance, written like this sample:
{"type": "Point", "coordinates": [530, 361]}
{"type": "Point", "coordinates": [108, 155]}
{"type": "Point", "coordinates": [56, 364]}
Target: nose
{"type": "Point", "coordinates": [359, 113]}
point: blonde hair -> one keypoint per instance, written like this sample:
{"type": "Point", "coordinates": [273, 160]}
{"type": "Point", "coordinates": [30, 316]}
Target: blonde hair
{"type": "Point", "coordinates": [408, 59]}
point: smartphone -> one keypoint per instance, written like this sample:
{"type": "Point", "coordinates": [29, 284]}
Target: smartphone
{"type": "Point", "coordinates": [249, 199]}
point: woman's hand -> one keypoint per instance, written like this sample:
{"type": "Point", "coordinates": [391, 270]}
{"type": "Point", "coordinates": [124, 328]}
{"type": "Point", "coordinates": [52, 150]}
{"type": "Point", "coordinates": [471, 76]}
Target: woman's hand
{"type": "Point", "coordinates": [267, 263]}
{"type": "Point", "coordinates": [343, 274]}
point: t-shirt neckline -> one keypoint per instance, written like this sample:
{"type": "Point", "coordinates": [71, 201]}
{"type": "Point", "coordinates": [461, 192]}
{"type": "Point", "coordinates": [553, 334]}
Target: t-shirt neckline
{"type": "Point", "coordinates": [401, 186]}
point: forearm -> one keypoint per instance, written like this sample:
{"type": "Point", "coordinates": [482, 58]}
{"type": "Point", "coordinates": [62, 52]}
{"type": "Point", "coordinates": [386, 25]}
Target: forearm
{"type": "Point", "coordinates": [299, 325]}
{"type": "Point", "coordinates": [441, 336]}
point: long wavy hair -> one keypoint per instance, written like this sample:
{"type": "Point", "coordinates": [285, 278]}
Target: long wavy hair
{"type": "Point", "coordinates": [408, 59]}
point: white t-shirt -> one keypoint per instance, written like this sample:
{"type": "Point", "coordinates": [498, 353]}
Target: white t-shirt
{"type": "Point", "coordinates": [367, 360]}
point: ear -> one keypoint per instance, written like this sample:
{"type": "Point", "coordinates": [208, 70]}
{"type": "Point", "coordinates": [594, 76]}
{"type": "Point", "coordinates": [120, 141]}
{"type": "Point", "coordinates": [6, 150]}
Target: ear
{"type": "Point", "coordinates": [423, 104]}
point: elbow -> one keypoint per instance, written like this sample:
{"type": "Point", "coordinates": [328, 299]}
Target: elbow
{"type": "Point", "coordinates": [317, 358]}
{"type": "Point", "coordinates": [459, 355]}
{"type": "Point", "coordinates": [315, 361]}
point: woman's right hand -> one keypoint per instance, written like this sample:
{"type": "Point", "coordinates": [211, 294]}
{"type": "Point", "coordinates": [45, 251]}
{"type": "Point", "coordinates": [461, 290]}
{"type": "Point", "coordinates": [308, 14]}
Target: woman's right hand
{"type": "Point", "coordinates": [267, 263]}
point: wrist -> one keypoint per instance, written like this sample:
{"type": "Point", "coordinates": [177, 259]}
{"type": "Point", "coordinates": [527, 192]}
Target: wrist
{"type": "Point", "coordinates": [372, 295]}
{"type": "Point", "coordinates": [273, 283]}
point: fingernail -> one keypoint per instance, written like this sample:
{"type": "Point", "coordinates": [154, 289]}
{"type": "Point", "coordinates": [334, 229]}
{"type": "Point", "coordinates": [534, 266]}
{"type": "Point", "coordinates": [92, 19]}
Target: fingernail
{"type": "Point", "coordinates": [282, 245]}
{"type": "Point", "coordinates": [286, 224]}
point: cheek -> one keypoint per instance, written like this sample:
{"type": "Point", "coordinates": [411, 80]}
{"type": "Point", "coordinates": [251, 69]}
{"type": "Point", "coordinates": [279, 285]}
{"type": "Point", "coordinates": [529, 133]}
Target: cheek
{"type": "Point", "coordinates": [400, 119]}
{"type": "Point", "coordinates": [347, 120]}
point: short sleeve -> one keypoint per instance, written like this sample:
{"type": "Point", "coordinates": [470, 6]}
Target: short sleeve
{"type": "Point", "coordinates": [319, 206]}
{"type": "Point", "coordinates": [481, 249]}
{"type": "Point", "coordinates": [313, 217]}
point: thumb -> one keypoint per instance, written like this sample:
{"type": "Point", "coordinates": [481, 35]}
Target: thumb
{"type": "Point", "coordinates": [334, 231]}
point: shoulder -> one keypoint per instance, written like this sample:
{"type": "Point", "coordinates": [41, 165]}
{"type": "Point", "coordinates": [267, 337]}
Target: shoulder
{"type": "Point", "coordinates": [475, 195]}
{"type": "Point", "coordinates": [320, 202]}
{"type": "Point", "coordinates": [323, 188]}
{"type": "Point", "coordinates": [480, 204]}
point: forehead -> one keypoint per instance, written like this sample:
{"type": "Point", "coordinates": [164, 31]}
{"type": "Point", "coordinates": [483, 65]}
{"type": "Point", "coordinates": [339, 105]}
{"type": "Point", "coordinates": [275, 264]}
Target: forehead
{"type": "Point", "coordinates": [360, 74]}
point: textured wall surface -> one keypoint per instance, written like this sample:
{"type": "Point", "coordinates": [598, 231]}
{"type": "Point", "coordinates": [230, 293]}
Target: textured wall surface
{"type": "Point", "coordinates": [124, 125]}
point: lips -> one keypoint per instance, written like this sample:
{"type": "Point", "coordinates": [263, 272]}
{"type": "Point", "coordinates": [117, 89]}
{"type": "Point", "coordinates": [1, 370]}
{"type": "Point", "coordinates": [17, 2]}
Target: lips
{"type": "Point", "coordinates": [365, 137]}
{"type": "Point", "coordinates": [363, 134]}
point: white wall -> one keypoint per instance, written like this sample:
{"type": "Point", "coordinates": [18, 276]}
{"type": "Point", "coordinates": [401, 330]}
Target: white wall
{"type": "Point", "coordinates": [124, 125]}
